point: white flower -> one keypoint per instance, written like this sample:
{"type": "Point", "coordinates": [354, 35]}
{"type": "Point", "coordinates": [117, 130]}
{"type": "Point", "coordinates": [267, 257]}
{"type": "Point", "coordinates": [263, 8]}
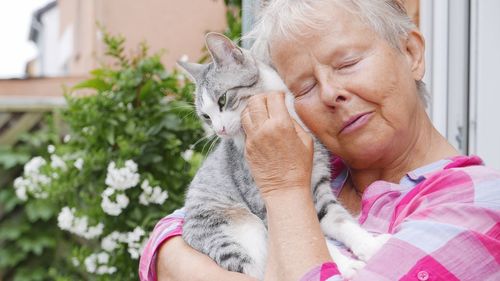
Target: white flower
{"type": "Point", "coordinates": [98, 264]}
{"type": "Point", "coordinates": [33, 166]}
{"type": "Point", "coordinates": [56, 162]}
{"type": "Point", "coordinates": [134, 253]}
{"type": "Point", "coordinates": [103, 257]}
{"type": "Point", "coordinates": [113, 208]}
{"type": "Point", "coordinates": [129, 106]}
{"type": "Point", "coordinates": [94, 231]}
{"type": "Point", "coordinates": [51, 149]}
{"type": "Point", "coordinates": [32, 181]}
{"type": "Point", "coordinates": [66, 138]}
{"type": "Point", "coordinates": [78, 164]}
{"type": "Point", "coordinates": [187, 155]}
{"type": "Point", "coordinates": [91, 263]}
{"type": "Point", "coordinates": [122, 178]}
{"type": "Point", "coordinates": [20, 186]}
{"type": "Point", "coordinates": [75, 261]}
{"type": "Point", "coordinates": [122, 200]}
{"type": "Point", "coordinates": [153, 195]}
{"type": "Point", "coordinates": [66, 220]}
{"type": "Point", "coordinates": [134, 239]}
{"type": "Point", "coordinates": [110, 242]}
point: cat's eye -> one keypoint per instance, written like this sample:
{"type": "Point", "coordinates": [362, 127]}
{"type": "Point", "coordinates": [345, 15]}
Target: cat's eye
{"type": "Point", "coordinates": [205, 116]}
{"type": "Point", "coordinates": [222, 101]}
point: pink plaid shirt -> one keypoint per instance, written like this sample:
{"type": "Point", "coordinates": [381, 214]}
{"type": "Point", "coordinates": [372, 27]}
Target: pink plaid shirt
{"type": "Point", "coordinates": [444, 218]}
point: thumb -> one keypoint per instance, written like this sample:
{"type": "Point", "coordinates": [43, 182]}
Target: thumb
{"type": "Point", "coordinates": [302, 134]}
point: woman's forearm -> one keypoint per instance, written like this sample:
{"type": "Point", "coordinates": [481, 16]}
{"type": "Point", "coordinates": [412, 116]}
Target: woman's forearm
{"type": "Point", "coordinates": [178, 261]}
{"type": "Point", "coordinates": [296, 242]}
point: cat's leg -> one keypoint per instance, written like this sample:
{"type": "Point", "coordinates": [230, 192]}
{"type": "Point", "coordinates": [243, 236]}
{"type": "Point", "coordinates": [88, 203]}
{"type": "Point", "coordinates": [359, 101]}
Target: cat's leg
{"type": "Point", "coordinates": [251, 233]}
{"type": "Point", "coordinates": [232, 236]}
{"type": "Point", "coordinates": [346, 265]}
{"type": "Point", "coordinates": [338, 224]}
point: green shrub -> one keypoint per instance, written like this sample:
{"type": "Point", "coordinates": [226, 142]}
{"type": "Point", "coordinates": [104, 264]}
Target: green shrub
{"type": "Point", "coordinates": [124, 165]}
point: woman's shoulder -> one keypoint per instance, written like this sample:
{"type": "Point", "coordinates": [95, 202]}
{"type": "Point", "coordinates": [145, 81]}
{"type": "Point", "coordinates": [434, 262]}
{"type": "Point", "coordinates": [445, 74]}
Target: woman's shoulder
{"type": "Point", "coordinates": [463, 171]}
{"type": "Point", "coordinates": [463, 180]}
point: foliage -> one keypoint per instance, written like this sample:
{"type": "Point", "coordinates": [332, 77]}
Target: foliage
{"type": "Point", "coordinates": [28, 238]}
{"type": "Point", "coordinates": [233, 19]}
{"type": "Point", "coordinates": [139, 114]}
{"type": "Point", "coordinates": [124, 165]}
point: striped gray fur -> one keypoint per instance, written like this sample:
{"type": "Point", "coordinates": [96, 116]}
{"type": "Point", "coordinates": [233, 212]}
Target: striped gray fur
{"type": "Point", "coordinates": [225, 214]}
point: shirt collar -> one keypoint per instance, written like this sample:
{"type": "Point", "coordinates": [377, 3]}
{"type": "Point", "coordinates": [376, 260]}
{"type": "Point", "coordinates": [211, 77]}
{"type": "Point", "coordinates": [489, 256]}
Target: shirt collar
{"type": "Point", "coordinates": [340, 171]}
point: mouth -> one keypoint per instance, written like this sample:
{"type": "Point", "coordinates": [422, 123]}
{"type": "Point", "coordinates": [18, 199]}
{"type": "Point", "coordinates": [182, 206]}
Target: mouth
{"type": "Point", "coordinates": [355, 122]}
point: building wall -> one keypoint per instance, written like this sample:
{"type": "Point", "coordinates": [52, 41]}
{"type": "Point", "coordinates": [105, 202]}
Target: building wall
{"type": "Point", "coordinates": [176, 26]}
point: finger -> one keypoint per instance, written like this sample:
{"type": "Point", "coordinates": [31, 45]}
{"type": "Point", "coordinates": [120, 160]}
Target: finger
{"type": "Point", "coordinates": [246, 121]}
{"type": "Point", "coordinates": [304, 136]}
{"type": "Point", "coordinates": [257, 109]}
{"type": "Point", "coordinates": [276, 106]}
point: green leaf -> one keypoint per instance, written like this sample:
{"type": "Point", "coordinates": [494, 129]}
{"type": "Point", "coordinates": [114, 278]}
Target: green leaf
{"type": "Point", "coordinates": [10, 255]}
{"type": "Point", "coordinates": [10, 158]}
{"type": "Point", "coordinates": [31, 274]}
{"type": "Point", "coordinates": [96, 83]}
{"type": "Point", "coordinates": [8, 200]}
{"type": "Point", "coordinates": [12, 230]}
{"type": "Point", "coordinates": [36, 244]}
{"type": "Point", "coordinates": [110, 137]}
{"type": "Point", "coordinates": [40, 210]}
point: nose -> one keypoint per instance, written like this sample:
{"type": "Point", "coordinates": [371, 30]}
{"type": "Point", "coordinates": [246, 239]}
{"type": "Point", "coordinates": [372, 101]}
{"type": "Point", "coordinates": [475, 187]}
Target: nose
{"type": "Point", "coordinates": [332, 96]}
{"type": "Point", "coordinates": [222, 131]}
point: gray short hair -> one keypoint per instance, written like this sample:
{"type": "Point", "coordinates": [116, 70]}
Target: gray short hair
{"type": "Point", "coordinates": [288, 19]}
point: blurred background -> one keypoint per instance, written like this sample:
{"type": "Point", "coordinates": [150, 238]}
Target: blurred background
{"type": "Point", "coordinates": [52, 48]}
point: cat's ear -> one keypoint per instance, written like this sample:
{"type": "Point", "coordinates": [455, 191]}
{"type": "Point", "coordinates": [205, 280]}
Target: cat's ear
{"type": "Point", "coordinates": [194, 70]}
{"type": "Point", "coordinates": [223, 50]}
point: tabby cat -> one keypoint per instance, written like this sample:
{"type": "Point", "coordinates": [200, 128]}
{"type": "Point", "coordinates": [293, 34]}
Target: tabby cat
{"type": "Point", "coordinates": [225, 214]}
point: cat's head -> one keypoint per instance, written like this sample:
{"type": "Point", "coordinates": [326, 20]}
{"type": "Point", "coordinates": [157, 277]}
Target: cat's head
{"type": "Point", "coordinates": [224, 85]}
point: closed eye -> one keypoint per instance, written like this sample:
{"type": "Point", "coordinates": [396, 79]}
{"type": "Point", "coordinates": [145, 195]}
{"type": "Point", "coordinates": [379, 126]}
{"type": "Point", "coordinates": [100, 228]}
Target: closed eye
{"type": "Point", "coordinates": [307, 89]}
{"type": "Point", "coordinates": [347, 65]}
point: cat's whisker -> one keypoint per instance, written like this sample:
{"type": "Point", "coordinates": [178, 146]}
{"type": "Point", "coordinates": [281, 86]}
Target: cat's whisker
{"type": "Point", "coordinates": [201, 139]}
{"type": "Point", "coordinates": [189, 114]}
{"type": "Point", "coordinates": [209, 142]}
{"type": "Point", "coordinates": [212, 145]}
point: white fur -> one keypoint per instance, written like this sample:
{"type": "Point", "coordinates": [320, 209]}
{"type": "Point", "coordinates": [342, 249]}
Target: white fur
{"type": "Point", "coordinates": [348, 267]}
{"type": "Point", "coordinates": [362, 244]}
{"type": "Point", "coordinates": [251, 234]}
{"type": "Point", "coordinates": [272, 81]}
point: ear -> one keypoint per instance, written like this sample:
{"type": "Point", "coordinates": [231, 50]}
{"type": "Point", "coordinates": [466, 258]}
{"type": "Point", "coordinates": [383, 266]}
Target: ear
{"type": "Point", "coordinates": [223, 50]}
{"type": "Point", "coordinates": [414, 48]}
{"type": "Point", "coordinates": [194, 70]}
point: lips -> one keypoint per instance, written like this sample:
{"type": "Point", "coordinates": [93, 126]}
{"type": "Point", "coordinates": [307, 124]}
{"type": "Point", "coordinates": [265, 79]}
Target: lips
{"type": "Point", "coordinates": [355, 122]}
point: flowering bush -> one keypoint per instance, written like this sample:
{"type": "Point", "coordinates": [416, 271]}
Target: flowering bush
{"type": "Point", "coordinates": [124, 165]}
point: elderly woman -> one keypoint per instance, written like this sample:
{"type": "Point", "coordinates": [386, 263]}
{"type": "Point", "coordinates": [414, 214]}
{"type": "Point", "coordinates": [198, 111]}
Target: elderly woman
{"type": "Point", "coordinates": [355, 68]}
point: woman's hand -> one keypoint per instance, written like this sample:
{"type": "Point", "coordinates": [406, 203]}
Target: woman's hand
{"type": "Point", "coordinates": [280, 155]}
{"type": "Point", "coordinates": [278, 150]}
{"type": "Point", "coordinates": [178, 261]}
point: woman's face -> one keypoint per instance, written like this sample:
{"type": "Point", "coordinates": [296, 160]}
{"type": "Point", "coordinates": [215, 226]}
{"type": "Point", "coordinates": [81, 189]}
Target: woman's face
{"type": "Point", "coordinates": [353, 90]}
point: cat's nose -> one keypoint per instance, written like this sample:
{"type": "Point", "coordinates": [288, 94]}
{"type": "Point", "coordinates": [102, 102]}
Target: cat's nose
{"type": "Point", "coordinates": [222, 131]}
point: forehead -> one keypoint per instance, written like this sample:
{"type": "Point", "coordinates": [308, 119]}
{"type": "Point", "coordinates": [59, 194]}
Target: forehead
{"type": "Point", "coordinates": [341, 32]}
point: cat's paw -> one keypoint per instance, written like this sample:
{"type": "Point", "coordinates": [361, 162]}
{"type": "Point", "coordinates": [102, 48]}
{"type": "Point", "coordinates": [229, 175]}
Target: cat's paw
{"type": "Point", "coordinates": [364, 251]}
{"type": "Point", "coordinates": [349, 267]}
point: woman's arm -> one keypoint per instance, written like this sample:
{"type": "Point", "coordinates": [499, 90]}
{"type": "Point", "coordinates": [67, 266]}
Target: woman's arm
{"type": "Point", "coordinates": [178, 261]}
{"type": "Point", "coordinates": [280, 154]}
{"type": "Point", "coordinates": [167, 257]}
